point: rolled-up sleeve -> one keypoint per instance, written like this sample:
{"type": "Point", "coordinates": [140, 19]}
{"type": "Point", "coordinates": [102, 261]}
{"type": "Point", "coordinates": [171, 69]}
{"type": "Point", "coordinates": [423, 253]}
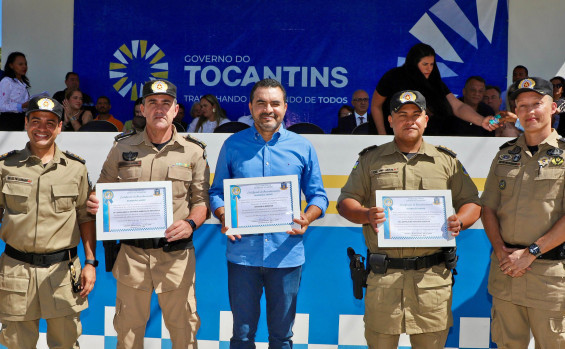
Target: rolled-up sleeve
{"type": "Point", "coordinates": [200, 182]}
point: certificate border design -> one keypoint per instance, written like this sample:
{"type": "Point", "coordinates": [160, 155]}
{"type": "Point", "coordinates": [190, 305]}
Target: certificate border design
{"type": "Point", "coordinates": [386, 208]}
{"type": "Point", "coordinates": [141, 233]}
{"type": "Point", "coordinates": [387, 241]}
{"type": "Point", "coordinates": [263, 228]}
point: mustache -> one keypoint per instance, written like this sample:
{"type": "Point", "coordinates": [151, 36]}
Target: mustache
{"type": "Point", "coordinates": [267, 114]}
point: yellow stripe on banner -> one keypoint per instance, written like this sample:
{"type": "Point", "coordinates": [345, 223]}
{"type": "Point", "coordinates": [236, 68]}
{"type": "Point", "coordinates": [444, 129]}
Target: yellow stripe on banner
{"type": "Point", "coordinates": [330, 210]}
{"type": "Point", "coordinates": [143, 47]}
{"type": "Point", "coordinates": [114, 66]}
{"type": "Point", "coordinates": [480, 183]}
{"type": "Point", "coordinates": [118, 85]}
{"type": "Point", "coordinates": [334, 181]}
{"type": "Point", "coordinates": [161, 74]}
{"type": "Point", "coordinates": [126, 51]}
{"type": "Point", "coordinates": [157, 57]}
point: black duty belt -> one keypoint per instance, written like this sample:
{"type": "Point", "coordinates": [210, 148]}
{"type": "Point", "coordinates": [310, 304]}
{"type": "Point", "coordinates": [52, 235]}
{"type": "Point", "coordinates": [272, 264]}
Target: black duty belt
{"type": "Point", "coordinates": [145, 244]}
{"type": "Point", "coordinates": [555, 254]}
{"type": "Point", "coordinates": [41, 260]}
{"type": "Point", "coordinates": [416, 263]}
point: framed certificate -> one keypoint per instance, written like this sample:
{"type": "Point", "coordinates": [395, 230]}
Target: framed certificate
{"type": "Point", "coordinates": [133, 210]}
{"type": "Point", "coordinates": [261, 204]}
{"type": "Point", "coordinates": [415, 218]}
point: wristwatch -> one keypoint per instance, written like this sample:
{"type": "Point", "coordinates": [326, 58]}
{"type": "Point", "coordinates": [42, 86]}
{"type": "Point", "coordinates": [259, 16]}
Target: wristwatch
{"type": "Point", "coordinates": [192, 224]}
{"type": "Point", "coordinates": [92, 262]}
{"type": "Point", "coordinates": [535, 250]}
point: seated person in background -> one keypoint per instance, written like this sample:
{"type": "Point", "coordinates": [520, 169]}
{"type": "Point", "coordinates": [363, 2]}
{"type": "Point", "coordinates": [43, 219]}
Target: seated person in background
{"type": "Point", "coordinates": [180, 116]}
{"type": "Point", "coordinates": [138, 121]}
{"type": "Point", "coordinates": [344, 110]}
{"type": "Point", "coordinates": [72, 81]}
{"type": "Point", "coordinates": [212, 116]}
{"type": "Point", "coordinates": [558, 122]}
{"type": "Point", "coordinates": [103, 107]}
{"type": "Point", "coordinates": [473, 94]}
{"type": "Point", "coordinates": [518, 73]}
{"type": "Point", "coordinates": [360, 116]}
{"type": "Point", "coordinates": [195, 110]}
{"type": "Point", "coordinates": [493, 99]}
{"type": "Point", "coordinates": [74, 116]}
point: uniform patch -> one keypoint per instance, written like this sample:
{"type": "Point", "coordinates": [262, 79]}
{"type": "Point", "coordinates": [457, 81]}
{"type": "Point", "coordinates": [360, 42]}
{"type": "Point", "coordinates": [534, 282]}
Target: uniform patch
{"type": "Point", "coordinates": [505, 157]}
{"type": "Point", "coordinates": [18, 179]}
{"type": "Point", "coordinates": [129, 163]}
{"type": "Point", "coordinates": [125, 135]}
{"type": "Point", "coordinates": [8, 154]}
{"type": "Point", "coordinates": [515, 150]}
{"type": "Point", "coordinates": [557, 161]}
{"type": "Point", "coordinates": [463, 169]}
{"type": "Point", "coordinates": [554, 152]}
{"type": "Point", "coordinates": [542, 162]}
{"type": "Point", "coordinates": [384, 170]}
{"type": "Point", "coordinates": [505, 162]}
{"type": "Point", "coordinates": [516, 157]}
{"type": "Point", "coordinates": [446, 150]}
{"type": "Point", "coordinates": [356, 163]}
{"type": "Point", "coordinates": [502, 184]}
{"type": "Point", "coordinates": [129, 156]}
{"type": "Point", "coordinates": [182, 164]}
{"type": "Point", "coordinates": [75, 157]}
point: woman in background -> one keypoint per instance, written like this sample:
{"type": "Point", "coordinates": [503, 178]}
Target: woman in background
{"type": "Point", "coordinates": [212, 116]}
{"type": "Point", "coordinates": [14, 93]}
{"type": "Point", "coordinates": [75, 116]}
{"type": "Point", "coordinates": [419, 72]}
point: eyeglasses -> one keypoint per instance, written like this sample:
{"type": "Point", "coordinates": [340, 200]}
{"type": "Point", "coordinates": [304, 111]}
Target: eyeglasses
{"type": "Point", "coordinates": [557, 85]}
{"type": "Point", "coordinates": [360, 99]}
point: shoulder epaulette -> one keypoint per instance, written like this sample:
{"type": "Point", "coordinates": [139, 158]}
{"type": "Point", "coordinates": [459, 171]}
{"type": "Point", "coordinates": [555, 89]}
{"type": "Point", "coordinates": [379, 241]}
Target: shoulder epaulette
{"type": "Point", "coordinates": [364, 151]}
{"type": "Point", "coordinates": [126, 134]}
{"type": "Point", "coordinates": [509, 143]}
{"type": "Point", "coordinates": [74, 157]}
{"type": "Point", "coordinates": [196, 141]}
{"type": "Point", "coordinates": [7, 155]}
{"type": "Point", "coordinates": [446, 150]}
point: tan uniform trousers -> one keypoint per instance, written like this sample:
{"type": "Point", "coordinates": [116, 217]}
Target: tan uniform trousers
{"type": "Point", "coordinates": [62, 333]}
{"type": "Point", "coordinates": [430, 340]}
{"type": "Point", "coordinates": [162, 271]}
{"type": "Point", "coordinates": [511, 326]}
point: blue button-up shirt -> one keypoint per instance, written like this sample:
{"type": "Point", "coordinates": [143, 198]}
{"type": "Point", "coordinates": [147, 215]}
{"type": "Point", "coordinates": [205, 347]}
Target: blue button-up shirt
{"type": "Point", "coordinates": [246, 154]}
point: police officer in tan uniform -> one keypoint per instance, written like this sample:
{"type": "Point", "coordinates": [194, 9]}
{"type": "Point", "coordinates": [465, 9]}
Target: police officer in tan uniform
{"type": "Point", "coordinates": [43, 211]}
{"type": "Point", "coordinates": [408, 289]}
{"type": "Point", "coordinates": [166, 265]}
{"type": "Point", "coordinates": [523, 207]}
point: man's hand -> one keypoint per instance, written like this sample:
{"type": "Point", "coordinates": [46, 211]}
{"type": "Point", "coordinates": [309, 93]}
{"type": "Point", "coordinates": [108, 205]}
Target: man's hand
{"type": "Point", "coordinates": [517, 262]}
{"type": "Point", "coordinates": [506, 116]}
{"type": "Point", "coordinates": [225, 229]}
{"type": "Point", "coordinates": [375, 216]}
{"type": "Point", "coordinates": [87, 279]}
{"type": "Point", "coordinates": [487, 125]}
{"type": "Point", "coordinates": [92, 204]}
{"type": "Point", "coordinates": [454, 225]}
{"type": "Point", "coordinates": [180, 229]}
{"type": "Point", "coordinates": [304, 223]}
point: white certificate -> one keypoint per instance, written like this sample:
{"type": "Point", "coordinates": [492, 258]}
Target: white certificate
{"type": "Point", "coordinates": [415, 218]}
{"type": "Point", "coordinates": [133, 210]}
{"type": "Point", "coordinates": [261, 204]}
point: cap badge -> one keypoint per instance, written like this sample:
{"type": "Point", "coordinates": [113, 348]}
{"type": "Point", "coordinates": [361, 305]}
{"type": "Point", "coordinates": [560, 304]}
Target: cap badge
{"type": "Point", "coordinates": [527, 83]}
{"type": "Point", "coordinates": [408, 97]}
{"type": "Point", "coordinates": [45, 104]}
{"type": "Point", "coordinates": [159, 87]}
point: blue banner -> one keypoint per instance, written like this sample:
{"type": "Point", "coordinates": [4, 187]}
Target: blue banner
{"type": "Point", "coordinates": [321, 51]}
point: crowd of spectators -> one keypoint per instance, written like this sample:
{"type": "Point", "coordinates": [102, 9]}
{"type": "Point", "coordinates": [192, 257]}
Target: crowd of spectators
{"type": "Point", "coordinates": [466, 115]}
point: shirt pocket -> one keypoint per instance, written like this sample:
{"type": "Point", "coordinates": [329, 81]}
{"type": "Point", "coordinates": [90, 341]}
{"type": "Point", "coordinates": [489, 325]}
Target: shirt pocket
{"type": "Point", "coordinates": [16, 195]}
{"type": "Point", "coordinates": [64, 196]}
{"type": "Point", "coordinates": [13, 294]}
{"type": "Point", "coordinates": [129, 173]}
{"type": "Point", "coordinates": [181, 177]}
{"type": "Point", "coordinates": [549, 183]}
{"type": "Point", "coordinates": [385, 181]}
{"type": "Point", "coordinates": [506, 176]}
{"type": "Point", "coordinates": [434, 183]}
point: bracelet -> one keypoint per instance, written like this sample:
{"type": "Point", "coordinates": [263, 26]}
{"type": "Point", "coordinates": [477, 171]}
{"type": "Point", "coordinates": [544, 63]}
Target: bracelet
{"type": "Point", "coordinates": [460, 225]}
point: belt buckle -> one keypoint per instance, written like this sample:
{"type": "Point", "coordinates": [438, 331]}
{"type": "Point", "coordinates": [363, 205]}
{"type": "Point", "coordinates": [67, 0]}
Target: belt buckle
{"type": "Point", "coordinates": [410, 263]}
{"type": "Point", "coordinates": [39, 261]}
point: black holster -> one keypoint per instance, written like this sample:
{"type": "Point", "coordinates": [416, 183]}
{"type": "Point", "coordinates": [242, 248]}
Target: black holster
{"type": "Point", "coordinates": [358, 272]}
{"type": "Point", "coordinates": [111, 249]}
{"type": "Point", "coordinates": [451, 257]}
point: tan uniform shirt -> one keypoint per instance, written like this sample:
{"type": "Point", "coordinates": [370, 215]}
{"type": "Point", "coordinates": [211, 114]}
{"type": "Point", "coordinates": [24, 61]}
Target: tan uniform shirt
{"type": "Point", "coordinates": [135, 159]}
{"type": "Point", "coordinates": [42, 206]}
{"type": "Point", "coordinates": [413, 301]}
{"type": "Point", "coordinates": [526, 191]}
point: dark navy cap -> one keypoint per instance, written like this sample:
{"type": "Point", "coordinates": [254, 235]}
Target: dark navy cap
{"type": "Point", "coordinates": [533, 84]}
{"type": "Point", "coordinates": [407, 97]}
{"type": "Point", "coordinates": [159, 87]}
{"type": "Point", "coordinates": [45, 104]}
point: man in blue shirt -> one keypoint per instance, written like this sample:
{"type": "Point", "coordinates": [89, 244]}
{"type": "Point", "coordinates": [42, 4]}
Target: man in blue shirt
{"type": "Point", "coordinates": [272, 260]}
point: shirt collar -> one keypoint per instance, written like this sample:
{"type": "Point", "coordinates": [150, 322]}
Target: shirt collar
{"type": "Point", "coordinates": [357, 116]}
{"type": "Point", "coordinates": [145, 138]}
{"type": "Point", "coordinates": [551, 140]}
{"type": "Point", "coordinates": [58, 157]}
{"type": "Point", "coordinates": [281, 133]}
{"type": "Point", "coordinates": [425, 148]}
